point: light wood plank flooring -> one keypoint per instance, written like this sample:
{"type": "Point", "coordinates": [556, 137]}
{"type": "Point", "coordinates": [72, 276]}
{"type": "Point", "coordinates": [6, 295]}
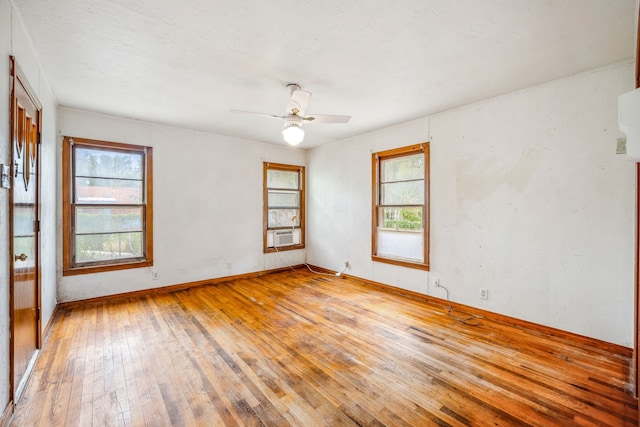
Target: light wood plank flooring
{"type": "Point", "coordinates": [300, 349]}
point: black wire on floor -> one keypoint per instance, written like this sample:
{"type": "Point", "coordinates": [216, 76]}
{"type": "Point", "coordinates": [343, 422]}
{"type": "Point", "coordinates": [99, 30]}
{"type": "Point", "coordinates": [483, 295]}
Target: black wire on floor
{"type": "Point", "coordinates": [461, 316]}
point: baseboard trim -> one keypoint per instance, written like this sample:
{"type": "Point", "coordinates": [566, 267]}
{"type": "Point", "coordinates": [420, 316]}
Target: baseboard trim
{"type": "Point", "coordinates": [7, 414]}
{"type": "Point", "coordinates": [547, 330]}
{"type": "Point", "coordinates": [170, 288]}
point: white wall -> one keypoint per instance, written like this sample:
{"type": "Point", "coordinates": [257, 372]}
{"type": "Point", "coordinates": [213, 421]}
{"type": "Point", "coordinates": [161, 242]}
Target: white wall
{"type": "Point", "coordinates": [14, 41]}
{"type": "Point", "coordinates": [207, 203]}
{"type": "Point", "coordinates": [528, 200]}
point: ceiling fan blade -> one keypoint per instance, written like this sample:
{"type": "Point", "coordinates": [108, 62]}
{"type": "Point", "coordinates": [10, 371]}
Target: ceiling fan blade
{"type": "Point", "coordinates": [298, 101]}
{"type": "Point", "coordinates": [327, 118]}
{"type": "Point", "coordinates": [272, 116]}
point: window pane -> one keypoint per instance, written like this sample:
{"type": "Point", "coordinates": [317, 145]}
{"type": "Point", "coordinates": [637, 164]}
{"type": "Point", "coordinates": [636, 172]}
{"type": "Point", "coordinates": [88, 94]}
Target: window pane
{"type": "Point", "coordinates": [402, 168]}
{"type": "Point", "coordinates": [283, 179]}
{"type": "Point", "coordinates": [287, 199]}
{"type": "Point", "coordinates": [105, 247]}
{"type": "Point", "coordinates": [23, 218]}
{"type": "Point", "coordinates": [284, 218]}
{"type": "Point", "coordinates": [108, 164]}
{"type": "Point", "coordinates": [111, 191]}
{"type": "Point", "coordinates": [21, 196]}
{"type": "Point", "coordinates": [402, 245]}
{"type": "Point", "coordinates": [407, 218]}
{"type": "Point", "coordinates": [108, 220]}
{"type": "Point", "coordinates": [402, 193]}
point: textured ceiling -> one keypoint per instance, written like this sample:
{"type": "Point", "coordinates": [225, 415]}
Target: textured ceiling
{"type": "Point", "coordinates": [383, 62]}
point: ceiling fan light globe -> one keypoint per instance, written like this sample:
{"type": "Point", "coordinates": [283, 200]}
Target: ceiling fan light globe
{"type": "Point", "coordinates": [292, 133]}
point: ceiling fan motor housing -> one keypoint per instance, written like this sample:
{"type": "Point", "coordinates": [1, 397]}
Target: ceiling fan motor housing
{"type": "Point", "coordinates": [293, 87]}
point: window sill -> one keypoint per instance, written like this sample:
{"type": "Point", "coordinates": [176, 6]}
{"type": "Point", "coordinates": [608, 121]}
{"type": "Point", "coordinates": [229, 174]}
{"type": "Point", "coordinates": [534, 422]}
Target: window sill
{"type": "Point", "coordinates": [399, 230]}
{"type": "Point", "coordinates": [417, 265]}
{"type": "Point", "coordinates": [104, 268]}
{"type": "Point", "coordinates": [283, 249]}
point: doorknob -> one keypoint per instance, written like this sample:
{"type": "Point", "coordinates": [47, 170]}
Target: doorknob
{"type": "Point", "coordinates": [21, 257]}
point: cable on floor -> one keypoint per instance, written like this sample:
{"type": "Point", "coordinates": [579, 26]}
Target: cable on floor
{"type": "Point", "coordinates": [460, 316]}
{"type": "Point", "coordinates": [326, 274]}
{"type": "Point", "coordinates": [309, 267]}
{"type": "Point", "coordinates": [280, 259]}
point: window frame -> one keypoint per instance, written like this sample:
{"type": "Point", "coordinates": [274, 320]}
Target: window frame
{"type": "Point", "coordinates": [376, 161]}
{"type": "Point", "coordinates": [69, 266]}
{"type": "Point", "coordinates": [265, 212]}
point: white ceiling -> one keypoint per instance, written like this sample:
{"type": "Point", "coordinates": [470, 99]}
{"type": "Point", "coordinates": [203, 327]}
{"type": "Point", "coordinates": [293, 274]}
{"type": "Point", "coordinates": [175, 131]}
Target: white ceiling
{"type": "Point", "coordinates": [187, 63]}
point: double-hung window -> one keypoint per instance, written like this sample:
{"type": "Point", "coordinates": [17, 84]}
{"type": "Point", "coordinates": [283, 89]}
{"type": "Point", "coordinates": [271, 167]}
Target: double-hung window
{"type": "Point", "coordinates": [284, 201]}
{"type": "Point", "coordinates": [107, 206]}
{"type": "Point", "coordinates": [400, 220]}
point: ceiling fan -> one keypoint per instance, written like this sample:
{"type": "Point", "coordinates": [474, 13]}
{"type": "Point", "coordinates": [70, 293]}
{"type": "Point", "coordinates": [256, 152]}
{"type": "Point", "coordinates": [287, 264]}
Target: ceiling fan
{"type": "Point", "coordinates": [292, 131]}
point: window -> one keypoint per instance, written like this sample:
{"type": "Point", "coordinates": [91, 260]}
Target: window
{"type": "Point", "coordinates": [400, 222]}
{"type": "Point", "coordinates": [107, 209]}
{"type": "Point", "coordinates": [283, 211]}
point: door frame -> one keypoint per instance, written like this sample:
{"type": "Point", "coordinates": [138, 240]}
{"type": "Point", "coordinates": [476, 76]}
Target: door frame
{"type": "Point", "coordinates": [18, 77]}
{"type": "Point", "coordinates": [636, 323]}
{"type": "Point", "coordinates": [635, 365]}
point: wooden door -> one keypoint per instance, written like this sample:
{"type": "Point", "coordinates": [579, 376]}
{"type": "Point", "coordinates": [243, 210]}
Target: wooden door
{"type": "Point", "coordinates": [24, 229]}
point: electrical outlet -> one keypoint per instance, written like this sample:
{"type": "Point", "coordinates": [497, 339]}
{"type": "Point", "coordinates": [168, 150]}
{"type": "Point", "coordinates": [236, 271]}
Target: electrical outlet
{"type": "Point", "coordinates": [436, 283]}
{"type": "Point", "coordinates": [346, 264]}
{"type": "Point", "coordinates": [229, 266]}
{"type": "Point", "coordinates": [484, 293]}
{"type": "Point", "coordinates": [154, 275]}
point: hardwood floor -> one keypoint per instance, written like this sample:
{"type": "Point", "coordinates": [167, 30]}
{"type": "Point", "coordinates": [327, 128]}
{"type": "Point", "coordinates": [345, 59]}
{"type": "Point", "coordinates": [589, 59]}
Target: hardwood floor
{"type": "Point", "coordinates": [306, 350]}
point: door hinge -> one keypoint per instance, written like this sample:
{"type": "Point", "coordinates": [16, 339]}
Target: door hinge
{"type": "Point", "coordinates": [36, 226]}
{"type": "Point", "coordinates": [38, 314]}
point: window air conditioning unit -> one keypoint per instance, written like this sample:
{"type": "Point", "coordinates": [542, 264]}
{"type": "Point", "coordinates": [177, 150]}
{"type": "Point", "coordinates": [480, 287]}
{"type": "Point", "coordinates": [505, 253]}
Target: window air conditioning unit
{"type": "Point", "coordinates": [283, 238]}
